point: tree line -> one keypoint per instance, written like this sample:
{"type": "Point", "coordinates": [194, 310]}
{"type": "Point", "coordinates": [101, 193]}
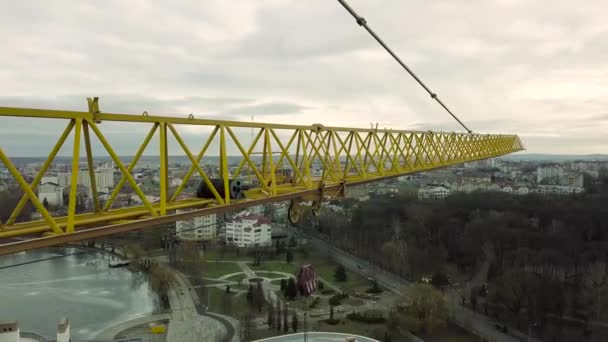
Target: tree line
{"type": "Point", "coordinates": [547, 255]}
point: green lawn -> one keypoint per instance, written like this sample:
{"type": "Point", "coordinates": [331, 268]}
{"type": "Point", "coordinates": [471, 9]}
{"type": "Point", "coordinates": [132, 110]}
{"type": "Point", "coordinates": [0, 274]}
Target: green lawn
{"type": "Point", "coordinates": [271, 266]}
{"type": "Point", "coordinates": [220, 302]}
{"type": "Point", "coordinates": [214, 254]}
{"type": "Point", "coordinates": [327, 268]}
{"type": "Point", "coordinates": [218, 269]}
{"type": "Point", "coordinates": [237, 278]}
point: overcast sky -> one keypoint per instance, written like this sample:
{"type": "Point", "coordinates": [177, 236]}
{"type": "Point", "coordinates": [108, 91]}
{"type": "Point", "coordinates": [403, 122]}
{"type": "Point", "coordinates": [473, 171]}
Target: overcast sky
{"type": "Point", "coordinates": [535, 68]}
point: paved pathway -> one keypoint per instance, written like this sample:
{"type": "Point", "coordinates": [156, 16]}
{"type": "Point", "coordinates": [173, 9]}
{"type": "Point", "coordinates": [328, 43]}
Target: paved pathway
{"type": "Point", "coordinates": [186, 325]}
{"type": "Point", "coordinates": [109, 333]}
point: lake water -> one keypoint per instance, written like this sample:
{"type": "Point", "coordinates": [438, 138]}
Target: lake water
{"type": "Point", "coordinates": [81, 287]}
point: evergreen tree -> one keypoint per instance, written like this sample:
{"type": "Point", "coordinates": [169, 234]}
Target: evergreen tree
{"type": "Point", "coordinates": [331, 312]}
{"type": "Point", "coordinates": [288, 257]}
{"type": "Point", "coordinates": [340, 273]}
{"type": "Point", "coordinates": [270, 317]}
{"type": "Point", "coordinates": [279, 320]}
{"type": "Point", "coordinates": [285, 322]}
{"type": "Point", "coordinates": [292, 291]}
{"type": "Point", "coordinates": [283, 286]}
{"type": "Point", "coordinates": [45, 203]}
{"type": "Point", "coordinates": [294, 322]}
{"type": "Point", "coordinates": [259, 297]}
{"type": "Point", "coordinates": [250, 295]}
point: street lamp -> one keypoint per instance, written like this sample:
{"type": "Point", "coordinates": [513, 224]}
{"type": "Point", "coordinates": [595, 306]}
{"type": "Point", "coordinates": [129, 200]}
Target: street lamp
{"type": "Point", "coordinates": [530, 330]}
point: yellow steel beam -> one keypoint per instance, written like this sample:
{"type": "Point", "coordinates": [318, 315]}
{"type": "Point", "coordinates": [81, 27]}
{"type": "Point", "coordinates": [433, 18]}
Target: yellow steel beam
{"type": "Point", "coordinates": [132, 164]}
{"type": "Point", "coordinates": [28, 191]}
{"type": "Point", "coordinates": [74, 176]}
{"type": "Point", "coordinates": [348, 156]}
{"type": "Point", "coordinates": [164, 169]}
{"type": "Point", "coordinates": [41, 172]}
{"type": "Point", "coordinates": [87, 144]}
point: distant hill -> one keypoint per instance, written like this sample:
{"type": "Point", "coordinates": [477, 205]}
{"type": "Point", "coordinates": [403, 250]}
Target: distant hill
{"type": "Point", "coordinates": [556, 157]}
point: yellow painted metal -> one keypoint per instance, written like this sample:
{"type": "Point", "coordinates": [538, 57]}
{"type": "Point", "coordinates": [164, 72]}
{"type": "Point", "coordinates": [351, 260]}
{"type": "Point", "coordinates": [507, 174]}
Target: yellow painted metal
{"type": "Point", "coordinates": [91, 167]}
{"type": "Point", "coordinates": [28, 191]}
{"type": "Point", "coordinates": [164, 169]}
{"type": "Point", "coordinates": [194, 162]}
{"type": "Point", "coordinates": [345, 156]}
{"type": "Point", "coordinates": [224, 164]}
{"type": "Point", "coordinates": [157, 329]}
{"type": "Point", "coordinates": [74, 176]}
{"type": "Point", "coordinates": [132, 164]}
{"type": "Point", "coordinates": [122, 168]}
{"type": "Point", "coordinates": [38, 178]}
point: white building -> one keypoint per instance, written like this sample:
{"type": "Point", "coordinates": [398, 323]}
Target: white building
{"type": "Point", "coordinates": [507, 189]}
{"type": "Point", "coordinates": [248, 231]}
{"type": "Point", "coordinates": [572, 179]}
{"type": "Point", "coordinates": [434, 192]}
{"type": "Point", "coordinates": [558, 190]}
{"type": "Point", "coordinates": [175, 182]}
{"type": "Point", "coordinates": [104, 178]}
{"type": "Point", "coordinates": [522, 190]}
{"type": "Point", "coordinates": [543, 172]}
{"type": "Point", "coordinates": [52, 192]}
{"type": "Point", "coordinates": [202, 228]}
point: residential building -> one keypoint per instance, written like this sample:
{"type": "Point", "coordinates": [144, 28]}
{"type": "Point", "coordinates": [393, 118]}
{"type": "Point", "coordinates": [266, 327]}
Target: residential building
{"type": "Point", "coordinates": [572, 179]}
{"type": "Point", "coordinates": [558, 190]}
{"type": "Point", "coordinates": [52, 192]}
{"type": "Point", "coordinates": [554, 172]}
{"type": "Point", "coordinates": [202, 228]}
{"type": "Point", "coordinates": [104, 178]}
{"type": "Point", "coordinates": [434, 192]}
{"type": "Point", "coordinates": [249, 230]}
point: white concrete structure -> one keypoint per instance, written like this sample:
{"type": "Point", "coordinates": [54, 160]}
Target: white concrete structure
{"type": "Point", "coordinates": [543, 172]}
{"type": "Point", "coordinates": [63, 330]}
{"type": "Point", "coordinates": [558, 190]}
{"type": "Point", "coordinates": [202, 228]}
{"type": "Point", "coordinates": [52, 192]}
{"type": "Point", "coordinates": [49, 179]}
{"type": "Point", "coordinates": [9, 332]}
{"type": "Point", "coordinates": [435, 192]}
{"type": "Point", "coordinates": [104, 178]}
{"type": "Point", "coordinates": [522, 190]}
{"type": "Point", "coordinates": [249, 230]}
{"type": "Point", "coordinates": [507, 189]}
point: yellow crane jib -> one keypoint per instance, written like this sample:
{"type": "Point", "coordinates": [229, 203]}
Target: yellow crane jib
{"type": "Point", "coordinates": [230, 171]}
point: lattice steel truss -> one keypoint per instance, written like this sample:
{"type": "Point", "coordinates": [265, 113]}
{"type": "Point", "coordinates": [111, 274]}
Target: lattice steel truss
{"type": "Point", "coordinates": [284, 168]}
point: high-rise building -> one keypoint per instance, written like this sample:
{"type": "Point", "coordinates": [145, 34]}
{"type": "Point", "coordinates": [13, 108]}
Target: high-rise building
{"type": "Point", "coordinates": [545, 172]}
{"type": "Point", "coordinates": [104, 178]}
{"type": "Point", "coordinates": [249, 230]}
{"type": "Point", "coordinates": [202, 228]}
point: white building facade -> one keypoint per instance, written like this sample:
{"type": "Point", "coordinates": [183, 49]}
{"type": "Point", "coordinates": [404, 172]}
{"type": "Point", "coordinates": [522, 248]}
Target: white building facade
{"type": "Point", "coordinates": [202, 228]}
{"type": "Point", "coordinates": [249, 231]}
{"type": "Point", "coordinates": [435, 192]}
{"type": "Point", "coordinates": [52, 193]}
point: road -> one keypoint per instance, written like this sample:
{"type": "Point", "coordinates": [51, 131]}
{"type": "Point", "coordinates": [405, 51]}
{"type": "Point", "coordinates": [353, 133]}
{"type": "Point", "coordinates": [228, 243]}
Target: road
{"type": "Point", "coordinates": [316, 337]}
{"type": "Point", "coordinates": [470, 320]}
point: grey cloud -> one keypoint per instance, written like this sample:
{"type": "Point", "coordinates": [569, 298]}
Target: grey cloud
{"type": "Point", "coordinates": [272, 108]}
{"type": "Point", "coordinates": [490, 61]}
